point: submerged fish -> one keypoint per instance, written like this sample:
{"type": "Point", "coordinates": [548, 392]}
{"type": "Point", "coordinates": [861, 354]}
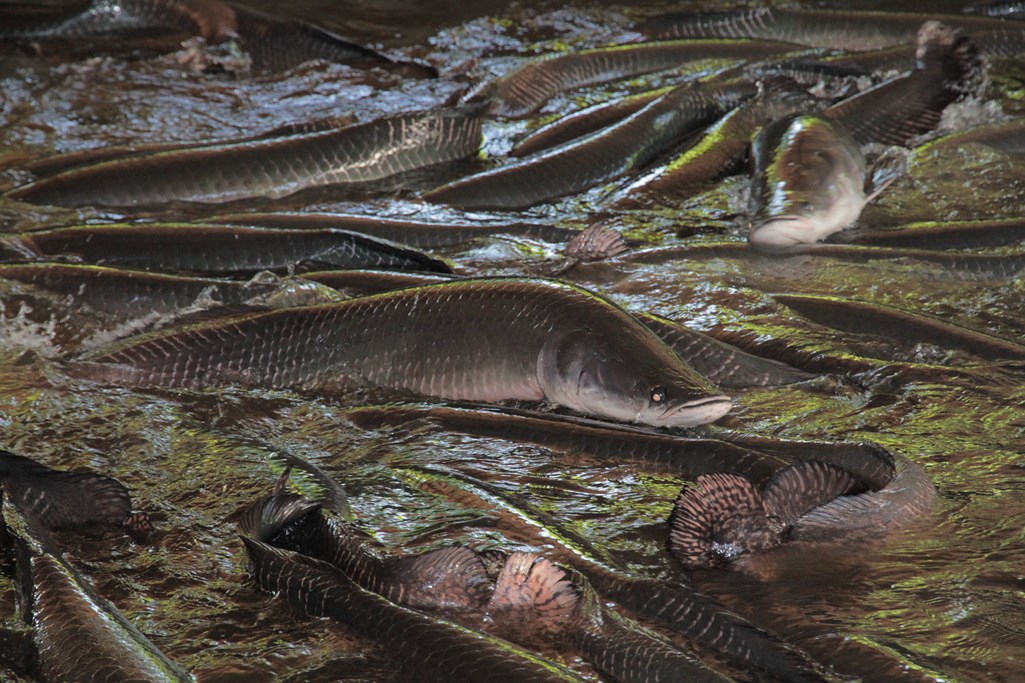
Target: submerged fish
{"type": "Point", "coordinates": [836, 30]}
{"type": "Point", "coordinates": [809, 180]}
{"type": "Point", "coordinates": [480, 340]}
{"type": "Point", "coordinates": [527, 88]}
{"type": "Point", "coordinates": [61, 501]}
{"type": "Point", "coordinates": [449, 579]}
{"type": "Point", "coordinates": [274, 167]}
{"type": "Point", "coordinates": [215, 249]}
{"type": "Point", "coordinates": [632, 143]}
{"type": "Point", "coordinates": [213, 20]}
{"type": "Point", "coordinates": [726, 516]}
{"type": "Point", "coordinates": [420, 234]}
{"type": "Point", "coordinates": [902, 326]}
{"type": "Point", "coordinates": [534, 595]}
{"type": "Point", "coordinates": [430, 648]}
{"type": "Point", "coordinates": [810, 501]}
{"type": "Point", "coordinates": [671, 603]}
{"type": "Point", "coordinates": [79, 636]}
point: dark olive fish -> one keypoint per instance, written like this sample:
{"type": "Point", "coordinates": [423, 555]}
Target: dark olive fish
{"type": "Point", "coordinates": [584, 122]}
{"type": "Point", "coordinates": [632, 143]}
{"type": "Point", "coordinates": [901, 326]}
{"type": "Point", "coordinates": [683, 456]}
{"type": "Point", "coordinates": [672, 604]}
{"type": "Point", "coordinates": [420, 234]}
{"type": "Point", "coordinates": [479, 340]}
{"type": "Point", "coordinates": [449, 579]}
{"type": "Point", "coordinates": [947, 67]}
{"type": "Point", "coordinates": [524, 90]}
{"type": "Point", "coordinates": [995, 232]}
{"type": "Point", "coordinates": [55, 163]}
{"type": "Point", "coordinates": [215, 249]}
{"type": "Point", "coordinates": [1007, 137]}
{"type": "Point", "coordinates": [429, 648]}
{"type": "Point", "coordinates": [279, 44]}
{"type": "Point", "coordinates": [725, 365]}
{"type": "Point", "coordinates": [808, 182]}
{"type": "Point", "coordinates": [61, 501]}
{"type": "Point", "coordinates": [718, 152]}
{"type": "Point", "coordinates": [532, 594]}
{"type": "Point", "coordinates": [725, 516]}
{"type": "Point", "coordinates": [838, 30]}
{"type": "Point", "coordinates": [79, 636]}
{"type": "Point", "coordinates": [270, 168]}
{"type": "Point", "coordinates": [129, 293]}
{"type": "Point", "coordinates": [211, 19]}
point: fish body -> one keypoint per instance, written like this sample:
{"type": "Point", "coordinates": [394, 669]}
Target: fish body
{"type": "Point", "coordinates": [809, 179]}
{"type": "Point", "coordinates": [419, 234]}
{"type": "Point", "coordinates": [274, 167]}
{"type": "Point", "coordinates": [837, 30]}
{"type": "Point", "coordinates": [577, 165]}
{"type": "Point", "coordinates": [481, 340]}
{"type": "Point", "coordinates": [211, 19]}
{"type": "Point", "coordinates": [431, 649]}
{"type": "Point", "coordinates": [524, 90]}
{"type": "Point", "coordinates": [215, 249]}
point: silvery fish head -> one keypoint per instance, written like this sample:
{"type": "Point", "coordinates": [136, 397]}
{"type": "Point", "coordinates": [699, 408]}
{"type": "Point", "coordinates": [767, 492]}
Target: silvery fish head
{"type": "Point", "coordinates": [809, 182]}
{"type": "Point", "coordinates": [628, 375]}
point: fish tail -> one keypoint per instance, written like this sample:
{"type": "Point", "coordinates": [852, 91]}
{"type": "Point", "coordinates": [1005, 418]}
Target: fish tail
{"type": "Point", "coordinates": [448, 578]}
{"type": "Point", "coordinates": [533, 590]}
{"type": "Point", "coordinates": [266, 518]}
{"type": "Point", "coordinates": [723, 519]}
{"type": "Point", "coordinates": [803, 486]}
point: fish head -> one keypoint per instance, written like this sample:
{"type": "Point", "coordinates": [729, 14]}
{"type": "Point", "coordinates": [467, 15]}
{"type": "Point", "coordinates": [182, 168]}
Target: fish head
{"type": "Point", "coordinates": [629, 376]}
{"type": "Point", "coordinates": [809, 182]}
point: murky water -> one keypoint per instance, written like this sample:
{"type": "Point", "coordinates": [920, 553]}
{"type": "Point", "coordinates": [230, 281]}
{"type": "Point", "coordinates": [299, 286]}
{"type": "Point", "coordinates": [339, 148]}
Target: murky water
{"type": "Point", "coordinates": [944, 599]}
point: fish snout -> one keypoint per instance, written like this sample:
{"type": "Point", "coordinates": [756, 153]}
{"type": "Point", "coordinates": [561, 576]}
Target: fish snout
{"type": "Point", "coordinates": [697, 412]}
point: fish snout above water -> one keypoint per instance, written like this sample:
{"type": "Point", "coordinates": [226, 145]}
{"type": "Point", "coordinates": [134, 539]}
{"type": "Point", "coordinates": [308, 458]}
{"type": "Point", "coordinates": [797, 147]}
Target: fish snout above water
{"type": "Point", "coordinates": [809, 179]}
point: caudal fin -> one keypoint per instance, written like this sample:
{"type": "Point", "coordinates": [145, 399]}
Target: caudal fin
{"type": "Point", "coordinates": [533, 595]}
{"type": "Point", "coordinates": [446, 579]}
{"type": "Point", "coordinates": [803, 486]}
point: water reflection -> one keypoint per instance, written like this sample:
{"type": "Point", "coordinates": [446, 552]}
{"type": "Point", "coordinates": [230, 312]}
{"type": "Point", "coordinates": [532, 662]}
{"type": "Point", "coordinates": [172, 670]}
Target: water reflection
{"type": "Point", "coordinates": [941, 600]}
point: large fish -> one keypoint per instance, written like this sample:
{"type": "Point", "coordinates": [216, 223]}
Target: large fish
{"type": "Point", "coordinates": [274, 167]}
{"type": "Point", "coordinates": [836, 30]}
{"type": "Point", "coordinates": [533, 595]}
{"type": "Point", "coordinates": [79, 636]}
{"type": "Point", "coordinates": [213, 20]}
{"type": "Point", "coordinates": [672, 604]}
{"type": "Point", "coordinates": [215, 249]}
{"type": "Point", "coordinates": [632, 143]}
{"type": "Point", "coordinates": [527, 88]}
{"type": "Point", "coordinates": [481, 340]}
{"type": "Point", "coordinates": [429, 648]}
{"type": "Point", "coordinates": [809, 182]}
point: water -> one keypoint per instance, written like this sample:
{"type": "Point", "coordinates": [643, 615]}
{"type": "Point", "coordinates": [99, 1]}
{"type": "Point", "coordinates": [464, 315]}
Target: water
{"type": "Point", "coordinates": [941, 600]}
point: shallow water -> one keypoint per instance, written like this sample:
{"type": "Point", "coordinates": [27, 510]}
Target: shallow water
{"type": "Point", "coordinates": [942, 600]}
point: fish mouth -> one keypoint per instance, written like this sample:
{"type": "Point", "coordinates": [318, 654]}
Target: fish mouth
{"type": "Point", "coordinates": [697, 412]}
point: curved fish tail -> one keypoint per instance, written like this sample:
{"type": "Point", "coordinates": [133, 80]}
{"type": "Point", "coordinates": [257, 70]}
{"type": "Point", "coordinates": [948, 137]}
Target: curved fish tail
{"type": "Point", "coordinates": [533, 594]}
{"type": "Point", "coordinates": [269, 516]}
{"type": "Point", "coordinates": [798, 488]}
{"type": "Point", "coordinates": [724, 519]}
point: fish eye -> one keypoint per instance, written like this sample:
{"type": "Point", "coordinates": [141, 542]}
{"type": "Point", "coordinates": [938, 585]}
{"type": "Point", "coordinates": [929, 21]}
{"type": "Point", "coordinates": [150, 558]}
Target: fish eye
{"type": "Point", "coordinates": [659, 394]}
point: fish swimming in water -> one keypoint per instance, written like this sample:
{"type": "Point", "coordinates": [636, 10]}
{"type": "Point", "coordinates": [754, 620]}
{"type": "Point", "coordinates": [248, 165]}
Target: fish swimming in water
{"type": "Point", "coordinates": [274, 167]}
{"type": "Point", "coordinates": [524, 90]}
{"type": "Point", "coordinates": [808, 182]}
{"type": "Point", "coordinates": [429, 648]}
{"type": "Point", "coordinates": [215, 249]}
{"type": "Point", "coordinates": [79, 636]}
{"type": "Point", "coordinates": [835, 30]}
{"type": "Point", "coordinates": [599, 157]}
{"type": "Point", "coordinates": [726, 516]}
{"type": "Point", "coordinates": [533, 595]}
{"type": "Point", "coordinates": [478, 340]}
{"type": "Point", "coordinates": [809, 501]}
